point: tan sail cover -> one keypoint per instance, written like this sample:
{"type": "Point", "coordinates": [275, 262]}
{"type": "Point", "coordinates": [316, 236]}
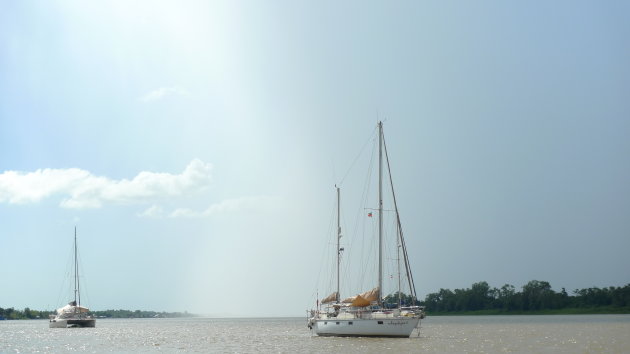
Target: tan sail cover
{"type": "Point", "coordinates": [349, 299]}
{"type": "Point", "coordinates": [330, 298]}
{"type": "Point", "coordinates": [363, 299]}
{"type": "Point", "coordinates": [359, 301]}
{"type": "Point", "coordinates": [371, 295]}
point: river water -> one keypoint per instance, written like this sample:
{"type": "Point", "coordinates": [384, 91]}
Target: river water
{"type": "Point", "coordinates": [457, 334]}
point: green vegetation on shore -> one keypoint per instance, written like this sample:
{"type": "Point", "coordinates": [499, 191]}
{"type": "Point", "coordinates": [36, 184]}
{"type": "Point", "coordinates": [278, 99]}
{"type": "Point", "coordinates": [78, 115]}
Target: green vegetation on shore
{"type": "Point", "coordinates": [140, 314]}
{"type": "Point", "coordinates": [13, 314]}
{"type": "Point", "coordinates": [604, 310]}
{"type": "Point", "coordinates": [536, 298]}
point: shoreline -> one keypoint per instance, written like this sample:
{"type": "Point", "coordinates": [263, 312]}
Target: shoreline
{"type": "Point", "coordinates": [566, 311]}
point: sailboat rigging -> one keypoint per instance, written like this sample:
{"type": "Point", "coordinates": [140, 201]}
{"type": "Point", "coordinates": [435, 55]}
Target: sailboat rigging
{"type": "Point", "coordinates": [73, 314]}
{"type": "Point", "coordinates": [366, 314]}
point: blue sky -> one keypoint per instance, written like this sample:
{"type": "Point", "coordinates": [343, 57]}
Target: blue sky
{"type": "Point", "coordinates": [195, 146]}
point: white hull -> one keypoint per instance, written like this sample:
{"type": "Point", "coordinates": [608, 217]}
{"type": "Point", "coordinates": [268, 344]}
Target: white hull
{"type": "Point", "coordinates": [69, 322]}
{"type": "Point", "coordinates": [358, 327]}
{"type": "Point", "coordinates": [58, 324]}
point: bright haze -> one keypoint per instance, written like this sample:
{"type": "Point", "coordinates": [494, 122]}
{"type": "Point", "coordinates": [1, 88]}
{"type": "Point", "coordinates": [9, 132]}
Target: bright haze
{"type": "Point", "coordinates": [195, 145]}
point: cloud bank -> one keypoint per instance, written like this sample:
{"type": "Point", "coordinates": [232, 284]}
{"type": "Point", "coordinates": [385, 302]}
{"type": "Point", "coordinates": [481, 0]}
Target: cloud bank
{"type": "Point", "coordinates": [80, 189]}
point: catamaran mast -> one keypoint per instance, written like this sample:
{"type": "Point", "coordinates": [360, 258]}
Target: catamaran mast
{"type": "Point", "coordinates": [76, 271]}
{"type": "Point", "coordinates": [380, 212]}
{"type": "Point", "coordinates": [338, 298]}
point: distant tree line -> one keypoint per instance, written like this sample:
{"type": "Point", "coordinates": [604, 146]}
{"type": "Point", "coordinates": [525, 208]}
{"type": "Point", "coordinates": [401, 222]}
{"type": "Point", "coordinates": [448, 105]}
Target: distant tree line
{"type": "Point", "coordinates": [391, 300]}
{"type": "Point", "coordinates": [140, 314]}
{"type": "Point", "coordinates": [27, 313]}
{"type": "Point", "coordinates": [535, 296]}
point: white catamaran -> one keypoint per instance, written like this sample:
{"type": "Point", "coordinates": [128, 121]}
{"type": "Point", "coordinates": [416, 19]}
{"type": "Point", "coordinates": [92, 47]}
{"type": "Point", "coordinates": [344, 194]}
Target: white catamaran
{"type": "Point", "coordinates": [366, 314]}
{"type": "Point", "coordinates": [73, 314]}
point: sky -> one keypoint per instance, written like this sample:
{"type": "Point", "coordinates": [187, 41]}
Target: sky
{"type": "Point", "coordinates": [196, 145]}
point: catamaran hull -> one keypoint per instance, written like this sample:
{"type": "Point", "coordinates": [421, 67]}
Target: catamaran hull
{"type": "Point", "coordinates": [392, 327]}
{"type": "Point", "coordinates": [65, 323]}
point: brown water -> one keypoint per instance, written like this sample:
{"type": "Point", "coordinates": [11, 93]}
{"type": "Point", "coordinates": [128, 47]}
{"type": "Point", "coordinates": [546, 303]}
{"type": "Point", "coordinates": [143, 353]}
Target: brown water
{"type": "Point", "coordinates": [462, 334]}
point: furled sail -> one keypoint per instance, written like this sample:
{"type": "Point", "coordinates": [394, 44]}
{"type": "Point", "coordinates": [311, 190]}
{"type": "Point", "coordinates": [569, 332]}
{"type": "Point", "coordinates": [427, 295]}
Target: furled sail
{"type": "Point", "coordinates": [69, 309]}
{"type": "Point", "coordinates": [363, 299]}
{"type": "Point", "coordinates": [330, 298]}
{"type": "Point", "coordinates": [348, 299]}
{"type": "Point", "coordinates": [359, 301]}
{"type": "Point", "coordinates": [371, 295]}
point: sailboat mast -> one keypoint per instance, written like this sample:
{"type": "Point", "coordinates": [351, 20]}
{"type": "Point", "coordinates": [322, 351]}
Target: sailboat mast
{"type": "Point", "coordinates": [380, 212]}
{"type": "Point", "coordinates": [338, 298]}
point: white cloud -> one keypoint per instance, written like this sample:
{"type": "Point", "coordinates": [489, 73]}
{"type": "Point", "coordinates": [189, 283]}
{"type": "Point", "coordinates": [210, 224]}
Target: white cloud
{"type": "Point", "coordinates": [226, 206]}
{"type": "Point", "coordinates": [84, 190]}
{"type": "Point", "coordinates": [163, 92]}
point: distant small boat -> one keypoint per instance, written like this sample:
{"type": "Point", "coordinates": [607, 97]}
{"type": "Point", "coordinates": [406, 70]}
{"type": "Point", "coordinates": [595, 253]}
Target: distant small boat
{"type": "Point", "coordinates": [73, 314]}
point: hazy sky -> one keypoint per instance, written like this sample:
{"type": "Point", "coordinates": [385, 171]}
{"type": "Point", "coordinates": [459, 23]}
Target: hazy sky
{"type": "Point", "coordinates": [196, 145]}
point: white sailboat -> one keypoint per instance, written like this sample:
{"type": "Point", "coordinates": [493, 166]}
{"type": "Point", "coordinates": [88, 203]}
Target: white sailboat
{"type": "Point", "coordinates": [73, 314]}
{"type": "Point", "coordinates": [366, 314]}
